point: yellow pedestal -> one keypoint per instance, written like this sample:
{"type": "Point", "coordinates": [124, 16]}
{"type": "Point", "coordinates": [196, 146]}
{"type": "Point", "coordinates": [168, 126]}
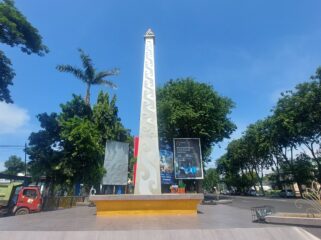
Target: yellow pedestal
{"type": "Point", "coordinates": [165, 204]}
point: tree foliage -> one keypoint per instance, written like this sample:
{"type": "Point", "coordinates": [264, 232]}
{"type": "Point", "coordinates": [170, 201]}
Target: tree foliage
{"type": "Point", "coordinates": [70, 147]}
{"type": "Point", "coordinates": [302, 171]}
{"type": "Point", "coordinates": [105, 116]}
{"type": "Point", "coordinates": [6, 76]}
{"type": "Point", "coordinates": [287, 142]}
{"type": "Point", "coordinates": [211, 179]}
{"type": "Point", "coordinates": [88, 74]}
{"type": "Point", "coordinates": [189, 109]}
{"type": "Point", "coordinates": [44, 149]}
{"type": "Point", "coordinates": [14, 165]}
{"type": "Point", "coordinates": [83, 155]}
{"type": "Point", "coordinates": [234, 175]}
{"type": "Point", "coordinates": [15, 31]}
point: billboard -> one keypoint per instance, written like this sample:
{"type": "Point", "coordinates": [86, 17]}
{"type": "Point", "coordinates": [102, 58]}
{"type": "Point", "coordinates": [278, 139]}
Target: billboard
{"type": "Point", "coordinates": [136, 143]}
{"type": "Point", "coordinates": [166, 166]}
{"type": "Point", "coordinates": [116, 163]}
{"type": "Point", "coordinates": [188, 158]}
{"type": "Point", "coordinates": [166, 163]}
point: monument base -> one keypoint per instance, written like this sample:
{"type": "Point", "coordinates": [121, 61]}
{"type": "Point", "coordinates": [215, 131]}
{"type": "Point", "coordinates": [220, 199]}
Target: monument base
{"type": "Point", "coordinates": [130, 204]}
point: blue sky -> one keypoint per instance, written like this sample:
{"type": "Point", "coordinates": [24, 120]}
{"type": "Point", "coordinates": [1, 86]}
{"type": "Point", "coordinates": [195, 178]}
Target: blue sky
{"type": "Point", "coordinates": [249, 50]}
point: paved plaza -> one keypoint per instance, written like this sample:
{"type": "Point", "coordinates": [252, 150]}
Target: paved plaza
{"type": "Point", "coordinates": [84, 218]}
{"type": "Point", "coordinates": [210, 218]}
{"type": "Point", "coordinates": [292, 233]}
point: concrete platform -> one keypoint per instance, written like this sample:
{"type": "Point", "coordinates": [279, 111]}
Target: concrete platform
{"type": "Point", "coordinates": [130, 204]}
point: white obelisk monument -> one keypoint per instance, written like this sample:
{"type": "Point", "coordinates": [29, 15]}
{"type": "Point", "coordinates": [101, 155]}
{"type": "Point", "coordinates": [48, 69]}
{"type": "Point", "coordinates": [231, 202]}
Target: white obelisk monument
{"type": "Point", "coordinates": [148, 169]}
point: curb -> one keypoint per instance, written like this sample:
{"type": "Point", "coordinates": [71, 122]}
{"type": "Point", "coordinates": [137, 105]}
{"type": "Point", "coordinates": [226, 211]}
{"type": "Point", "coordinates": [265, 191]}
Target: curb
{"type": "Point", "coordinates": [298, 221]}
{"type": "Point", "coordinates": [215, 202]}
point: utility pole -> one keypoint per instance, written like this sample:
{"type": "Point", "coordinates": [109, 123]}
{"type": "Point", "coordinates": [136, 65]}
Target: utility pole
{"type": "Point", "coordinates": [25, 159]}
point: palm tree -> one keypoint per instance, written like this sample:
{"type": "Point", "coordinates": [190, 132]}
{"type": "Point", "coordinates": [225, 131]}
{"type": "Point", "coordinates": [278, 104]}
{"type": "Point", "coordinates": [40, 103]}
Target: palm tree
{"type": "Point", "coordinates": [89, 74]}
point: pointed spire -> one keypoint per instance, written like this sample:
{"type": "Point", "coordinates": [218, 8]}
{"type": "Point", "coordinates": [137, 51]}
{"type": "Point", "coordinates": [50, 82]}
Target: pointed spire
{"type": "Point", "coordinates": [149, 33]}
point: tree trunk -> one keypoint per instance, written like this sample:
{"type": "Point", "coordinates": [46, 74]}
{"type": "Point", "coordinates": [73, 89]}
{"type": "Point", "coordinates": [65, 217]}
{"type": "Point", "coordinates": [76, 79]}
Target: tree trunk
{"type": "Point", "coordinates": [260, 181]}
{"type": "Point", "coordinates": [317, 161]}
{"type": "Point", "coordinates": [300, 189]}
{"type": "Point", "coordinates": [199, 187]}
{"type": "Point", "coordinates": [319, 171]}
{"type": "Point", "coordinates": [252, 178]}
{"type": "Point", "coordinates": [87, 97]}
{"type": "Point", "coordinates": [278, 180]}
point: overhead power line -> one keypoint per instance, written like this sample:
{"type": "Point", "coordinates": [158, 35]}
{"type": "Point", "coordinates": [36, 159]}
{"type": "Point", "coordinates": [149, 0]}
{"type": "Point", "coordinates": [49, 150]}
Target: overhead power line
{"type": "Point", "coordinates": [12, 146]}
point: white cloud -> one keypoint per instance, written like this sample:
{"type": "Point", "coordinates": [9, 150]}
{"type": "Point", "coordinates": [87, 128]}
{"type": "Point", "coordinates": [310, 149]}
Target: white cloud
{"type": "Point", "coordinates": [12, 118]}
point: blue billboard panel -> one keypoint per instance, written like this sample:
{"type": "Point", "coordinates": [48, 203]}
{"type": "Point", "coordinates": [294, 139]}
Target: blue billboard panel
{"type": "Point", "coordinates": [166, 167]}
{"type": "Point", "coordinates": [188, 158]}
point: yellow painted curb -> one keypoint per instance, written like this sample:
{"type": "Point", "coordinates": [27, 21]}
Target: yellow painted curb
{"type": "Point", "coordinates": [164, 205]}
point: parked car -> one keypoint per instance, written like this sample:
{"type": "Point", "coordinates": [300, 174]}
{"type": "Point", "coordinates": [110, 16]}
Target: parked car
{"type": "Point", "coordinates": [252, 192]}
{"type": "Point", "coordinates": [287, 193]}
{"type": "Point", "coordinates": [225, 192]}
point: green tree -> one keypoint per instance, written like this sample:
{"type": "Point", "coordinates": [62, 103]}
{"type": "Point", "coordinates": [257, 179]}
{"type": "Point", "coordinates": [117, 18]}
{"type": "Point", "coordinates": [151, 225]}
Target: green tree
{"type": "Point", "coordinates": [84, 133]}
{"type": "Point", "coordinates": [70, 146]}
{"type": "Point", "coordinates": [234, 174]}
{"type": "Point", "coordinates": [257, 147]}
{"type": "Point", "coordinates": [15, 30]}
{"type": "Point", "coordinates": [6, 76]}
{"type": "Point", "coordinates": [295, 124]}
{"type": "Point", "coordinates": [83, 155]}
{"type": "Point", "coordinates": [14, 165]}
{"type": "Point", "coordinates": [302, 171]}
{"type": "Point", "coordinates": [247, 158]}
{"type": "Point", "coordinates": [275, 141]}
{"type": "Point", "coordinates": [187, 108]}
{"type": "Point", "coordinates": [49, 149]}
{"type": "Point", "coordinates": [82, 152]}
{"type": "Point", "coordinates": [76, 107]}
{"type": "Point", "coordinates": [240, 167]}
{"type": "Point", "coordinates": [283, 131]}
{"type": "Point", "coordinates": [297, 121]}
{"type": "Point", "coordinates": [306, 108]}
{"type": "Point", "coordinates": [88, 74]}
{"type": "Point", "coordinates": [45, 150]}
{"type": "Point", "coordinates": [105, 116]}
{"type": "Point", "coordinates": [211, 179]}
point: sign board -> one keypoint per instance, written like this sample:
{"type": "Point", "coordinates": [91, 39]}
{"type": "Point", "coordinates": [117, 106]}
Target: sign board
{"type": "Point", "coordinates": [136, 143]}
{"type": "Point", "coordinates": [188, 158]}
{"type": "Point", "coordinates": [166, 166]}
{"type": "Point", "coordinates": [116, 163]}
